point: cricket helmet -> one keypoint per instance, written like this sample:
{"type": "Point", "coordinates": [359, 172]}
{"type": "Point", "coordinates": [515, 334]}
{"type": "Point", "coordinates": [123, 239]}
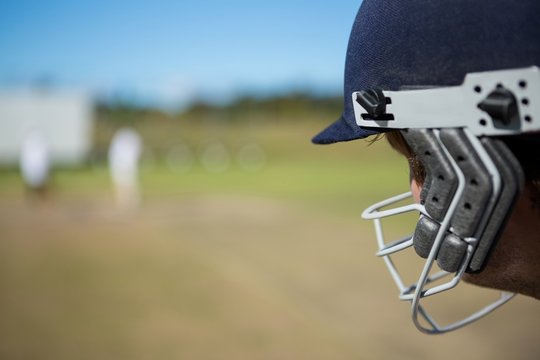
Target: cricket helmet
{"type": "Point", "coordinates": [455, 77]}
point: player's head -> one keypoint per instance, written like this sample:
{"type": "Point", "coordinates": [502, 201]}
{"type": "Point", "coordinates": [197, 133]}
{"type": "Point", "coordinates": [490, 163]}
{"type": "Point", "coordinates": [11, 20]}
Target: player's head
{"type": "Point", "coordinates": [453, 84]}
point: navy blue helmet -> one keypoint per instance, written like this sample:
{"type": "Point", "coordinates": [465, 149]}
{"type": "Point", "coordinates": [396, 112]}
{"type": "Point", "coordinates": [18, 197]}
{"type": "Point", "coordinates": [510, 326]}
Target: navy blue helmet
{"type": "Point", "coordinates": [454, 77]}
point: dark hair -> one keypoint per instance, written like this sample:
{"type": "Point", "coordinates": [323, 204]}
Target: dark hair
{"type": "Point", "coordinates": [398, 143]}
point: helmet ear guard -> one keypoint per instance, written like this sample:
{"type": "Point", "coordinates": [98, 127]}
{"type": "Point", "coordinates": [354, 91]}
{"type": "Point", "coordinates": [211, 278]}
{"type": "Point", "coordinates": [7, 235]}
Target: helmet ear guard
{"type": "Point", "coordinates": [482, 210]}
{"type": "Point", "coordinates": [513, 180]}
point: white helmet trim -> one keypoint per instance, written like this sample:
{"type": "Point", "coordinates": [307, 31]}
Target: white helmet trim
{"type": "Point", "coordinates": [457, 106]}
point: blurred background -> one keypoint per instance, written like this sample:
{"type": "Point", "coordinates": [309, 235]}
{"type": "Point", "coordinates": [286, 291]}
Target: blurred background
{"type": "Point", "coordinates": [160, 197]}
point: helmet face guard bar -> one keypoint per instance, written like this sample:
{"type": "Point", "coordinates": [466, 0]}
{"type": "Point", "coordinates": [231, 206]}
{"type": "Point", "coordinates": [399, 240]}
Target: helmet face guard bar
{"type": "Point", "coordinates": [472, 180]}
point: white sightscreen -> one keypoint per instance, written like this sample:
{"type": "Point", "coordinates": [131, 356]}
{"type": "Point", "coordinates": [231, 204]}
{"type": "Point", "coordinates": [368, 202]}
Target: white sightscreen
{"type": "Point", "coordinates": [64, 120]}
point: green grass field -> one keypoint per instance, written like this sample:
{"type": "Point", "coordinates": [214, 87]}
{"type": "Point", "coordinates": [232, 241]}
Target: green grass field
{"type": "Point", "coordinates": [269, 264]}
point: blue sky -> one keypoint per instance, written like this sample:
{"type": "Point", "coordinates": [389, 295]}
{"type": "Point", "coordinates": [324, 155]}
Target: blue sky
{"type": "Point", "coordinates": [172, 51]}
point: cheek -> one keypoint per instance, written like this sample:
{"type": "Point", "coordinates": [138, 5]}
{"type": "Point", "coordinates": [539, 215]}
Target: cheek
{"type": "Point", "coordinates": [416, 189]}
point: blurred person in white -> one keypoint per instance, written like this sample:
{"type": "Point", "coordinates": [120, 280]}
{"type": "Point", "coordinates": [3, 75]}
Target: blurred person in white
{"type": "Point", "coordinates": [35, 164]}
{"type": "Point", "coordinates": [124, 154]}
